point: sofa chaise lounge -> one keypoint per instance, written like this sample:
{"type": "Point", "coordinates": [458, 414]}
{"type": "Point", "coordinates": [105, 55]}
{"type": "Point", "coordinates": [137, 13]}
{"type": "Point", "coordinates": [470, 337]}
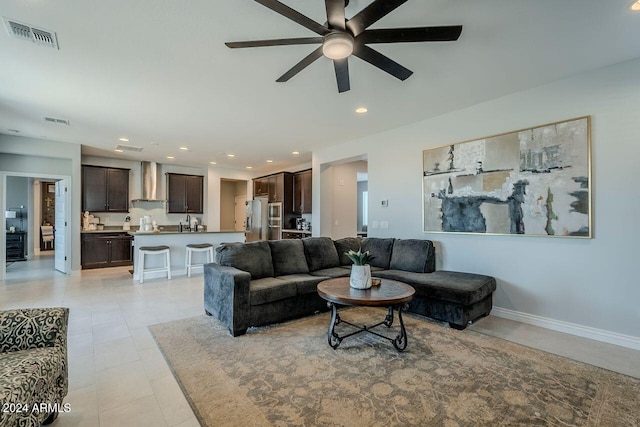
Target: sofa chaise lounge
{"type": "Point", "coordinates": [264, 282]}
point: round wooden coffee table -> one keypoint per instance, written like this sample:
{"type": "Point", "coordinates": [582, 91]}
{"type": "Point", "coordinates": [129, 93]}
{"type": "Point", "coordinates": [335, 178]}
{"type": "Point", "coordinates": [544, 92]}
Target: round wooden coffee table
{"type": "Point", "coordinates": [390, 293]}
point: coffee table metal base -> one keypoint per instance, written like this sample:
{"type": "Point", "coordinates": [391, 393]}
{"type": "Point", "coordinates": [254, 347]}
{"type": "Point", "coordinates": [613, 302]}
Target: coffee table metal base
{"type": "Point", "coordinates": [399, 342]}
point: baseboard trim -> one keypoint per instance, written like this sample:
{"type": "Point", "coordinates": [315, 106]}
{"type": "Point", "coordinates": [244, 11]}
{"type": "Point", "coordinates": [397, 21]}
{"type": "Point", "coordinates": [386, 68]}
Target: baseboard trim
{"type": "Point", "coordinates": [569, 328]}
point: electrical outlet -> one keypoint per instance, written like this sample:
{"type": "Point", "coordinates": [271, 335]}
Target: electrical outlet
{"type": "Point", "coordinates": [384, 224]}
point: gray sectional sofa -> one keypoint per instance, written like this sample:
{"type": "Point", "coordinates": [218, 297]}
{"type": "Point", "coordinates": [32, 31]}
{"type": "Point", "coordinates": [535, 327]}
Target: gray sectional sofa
{"type": "Point", "coordinates": [259, 283]}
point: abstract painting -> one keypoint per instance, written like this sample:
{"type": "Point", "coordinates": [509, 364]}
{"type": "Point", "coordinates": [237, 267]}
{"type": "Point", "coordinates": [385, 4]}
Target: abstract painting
{"type": "Point", "coordinates": [533, 182]}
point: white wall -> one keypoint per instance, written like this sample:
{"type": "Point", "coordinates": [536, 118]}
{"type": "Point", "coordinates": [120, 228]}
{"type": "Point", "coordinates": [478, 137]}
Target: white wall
{"type": "Point", "coordinates": [591, 283]}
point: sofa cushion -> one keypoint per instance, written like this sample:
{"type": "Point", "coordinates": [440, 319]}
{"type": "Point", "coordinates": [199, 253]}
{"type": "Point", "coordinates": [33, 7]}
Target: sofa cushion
{"type": "Point", "coordinates": [333, 272]}
{"type": "Point", "coordinates": [345, 245]}
{"type": "Point", "coordinates": [305, 283]}
{"type": "Point", "coordinates": [320, 252]}
{"type": "Point", "coordinates": [288, 257]}
{"type": "Point", "coordinates": [270, 289]}
{"type": "Point", "coordinates": [453, 286]}
{"type": "Point", "coordinates": [413, 255]}
{"type": "Point", "coordinates": [254, 258]}
{"type": "Point", "coordinates": [380, 249]}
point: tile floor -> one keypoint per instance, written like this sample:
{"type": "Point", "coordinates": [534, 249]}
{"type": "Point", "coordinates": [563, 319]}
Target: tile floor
{"type": "Point", "coordinates": [117, 376]}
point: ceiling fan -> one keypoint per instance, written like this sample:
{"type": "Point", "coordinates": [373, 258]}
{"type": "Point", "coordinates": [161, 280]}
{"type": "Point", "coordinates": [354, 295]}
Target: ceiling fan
{"type": "Point", "coordinates": [341, 37]}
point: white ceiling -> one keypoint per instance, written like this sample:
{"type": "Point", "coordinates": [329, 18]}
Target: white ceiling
{"type": "Point", "coordinates": [158, 71]}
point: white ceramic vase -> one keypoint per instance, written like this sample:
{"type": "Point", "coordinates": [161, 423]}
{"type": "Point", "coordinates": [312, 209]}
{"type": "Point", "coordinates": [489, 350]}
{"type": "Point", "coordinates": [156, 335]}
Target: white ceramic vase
{"type": "Point", "coordinates": [360, 277]}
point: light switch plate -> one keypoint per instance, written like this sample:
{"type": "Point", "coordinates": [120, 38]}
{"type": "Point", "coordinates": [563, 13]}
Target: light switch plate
{"type": "Point", "coordinates": [384, 224]}
{"type": "Point", "coordinates": [375, 224]}
{"type": "Point", "coordinates": [384, 203]}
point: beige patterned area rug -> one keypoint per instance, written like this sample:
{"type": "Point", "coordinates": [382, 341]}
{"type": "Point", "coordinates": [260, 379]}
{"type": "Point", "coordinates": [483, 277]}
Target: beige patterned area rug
{"type": "Point", "coordinates": [287, 375]}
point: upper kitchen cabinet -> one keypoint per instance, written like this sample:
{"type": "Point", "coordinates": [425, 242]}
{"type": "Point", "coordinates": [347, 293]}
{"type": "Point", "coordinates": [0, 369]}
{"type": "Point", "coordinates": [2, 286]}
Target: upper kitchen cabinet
{"type": "Point", "coordinates": [280, 187]}
{"type": "Point", "coordinates": [260, 187]}
{"type": "Point", "coordinates": [302, 192]}
{"type": "Point", "coordinates": [105, 189]}
{"type": "Point", "coordinates": [185, 193]}
{"type": "Point", "coordinates": [277, 187]}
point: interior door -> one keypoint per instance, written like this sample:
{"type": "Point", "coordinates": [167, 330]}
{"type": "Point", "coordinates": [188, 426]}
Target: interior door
{"type": "Point", "coordinates": [240, 213]}
{"type": "Point", "coordinates": [60, 231]}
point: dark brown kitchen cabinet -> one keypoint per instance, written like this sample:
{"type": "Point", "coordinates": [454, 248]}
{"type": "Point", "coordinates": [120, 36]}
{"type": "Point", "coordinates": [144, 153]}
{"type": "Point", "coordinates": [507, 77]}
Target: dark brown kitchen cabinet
{"type": "Point", "coordinates": [185, 193]}
{"type": "Point", "coordinates": [261, 187]}
{"type": "Point", "coordinates": [278, 186]}
{"type": "Point", "coordinates": [105, 189]}
{"type": "Point", "coordinates": [302, 192]}
{"type": "Point", "coordinates": [101, 250]}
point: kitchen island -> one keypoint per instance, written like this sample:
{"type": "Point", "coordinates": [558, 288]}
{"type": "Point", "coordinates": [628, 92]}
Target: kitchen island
{"type": "Point", "coordinates": [177, 242]}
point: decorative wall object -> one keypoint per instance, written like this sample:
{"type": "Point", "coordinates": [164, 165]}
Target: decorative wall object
{"type": "Point", "coordinates": [533, 182]}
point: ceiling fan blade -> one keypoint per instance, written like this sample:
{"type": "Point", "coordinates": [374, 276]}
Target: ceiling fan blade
{"type": "Point", "coordinates": [370, 14]}
{"type": "Point", "coordinates": [306, 61]}
{"type": "Point", "coordinates": [408, 35]}
{"type": "Point", "coordinates": [342, 74]}
{"type": "Point", "coordinates": [275, 42]}
{"type": "Point", "coordinates": [295, 16]}
{"type": "Point", "coordinates": [377, 59]}
{"type": "Point", "coordinates": [335, 14]}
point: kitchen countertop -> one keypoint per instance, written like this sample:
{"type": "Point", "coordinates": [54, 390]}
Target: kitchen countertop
{"type": "Point", "coordinates": [148, 233]}
{"type": "Point", "coordinates": [164, 231]}
{"type": "Point", "coordinates": [293, 230]}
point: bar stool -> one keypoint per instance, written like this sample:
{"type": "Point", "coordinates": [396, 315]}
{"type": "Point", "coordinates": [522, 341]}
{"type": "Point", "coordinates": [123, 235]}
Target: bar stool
{"type": "Point", "coordinates": [201, 247]}
{"type": "Point", "coordinates": [154, 250]}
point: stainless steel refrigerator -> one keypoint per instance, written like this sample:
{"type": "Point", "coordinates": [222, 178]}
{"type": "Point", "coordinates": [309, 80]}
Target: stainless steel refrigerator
{"type": "Point", "coordinates": [257, 219]}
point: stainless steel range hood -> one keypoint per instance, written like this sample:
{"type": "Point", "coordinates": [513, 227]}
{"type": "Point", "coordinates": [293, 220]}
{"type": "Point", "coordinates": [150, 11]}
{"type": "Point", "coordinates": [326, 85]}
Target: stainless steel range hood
{"type": "Point", "coordinates": [150, 178]}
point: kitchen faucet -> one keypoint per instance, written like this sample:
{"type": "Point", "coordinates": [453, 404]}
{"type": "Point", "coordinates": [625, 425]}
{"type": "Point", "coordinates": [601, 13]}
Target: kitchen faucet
{"type": "Point", "coordinates": [188, 226]}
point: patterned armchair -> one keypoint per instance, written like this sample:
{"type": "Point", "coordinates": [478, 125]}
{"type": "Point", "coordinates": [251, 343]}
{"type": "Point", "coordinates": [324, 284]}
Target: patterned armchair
{"type": "Point", "coordinates": [33, 365]}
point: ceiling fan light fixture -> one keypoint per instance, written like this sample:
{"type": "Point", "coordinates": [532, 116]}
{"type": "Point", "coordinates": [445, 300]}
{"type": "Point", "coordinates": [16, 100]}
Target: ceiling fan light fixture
{"type": "Point", "coordinates": [337, 45]}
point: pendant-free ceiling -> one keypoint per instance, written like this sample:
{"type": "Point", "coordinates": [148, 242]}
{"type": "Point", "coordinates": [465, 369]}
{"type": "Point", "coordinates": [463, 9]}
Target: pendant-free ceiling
{"type": "Point", "coordinates": [341, 38]}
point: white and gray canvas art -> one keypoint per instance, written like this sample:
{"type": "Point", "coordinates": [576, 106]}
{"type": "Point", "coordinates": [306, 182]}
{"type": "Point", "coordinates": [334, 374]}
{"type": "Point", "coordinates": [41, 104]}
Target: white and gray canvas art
{"type": "Point", "coordinates": [533, 182]}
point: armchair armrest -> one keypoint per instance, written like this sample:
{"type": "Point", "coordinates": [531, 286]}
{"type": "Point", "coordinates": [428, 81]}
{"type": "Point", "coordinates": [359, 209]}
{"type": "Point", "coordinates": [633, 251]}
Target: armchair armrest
{"type": "Point", "coordinates": [24, 329]}
{"type": "Point", "coordinates": [226, 296]}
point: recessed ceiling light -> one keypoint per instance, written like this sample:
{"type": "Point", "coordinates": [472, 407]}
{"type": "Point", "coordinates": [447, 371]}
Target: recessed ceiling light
{"type": "Point", "coordinates": [212, 163]}
{"type": "Point", "coordinates": [295, 153]}
{"type": "Point", "coordinates": [361, 110]}
{"type": "Point", "coordinates": [635, 6]}
{"type": "Point", "coordinates": [170, 157]}
{"type": "Point", "coordinates": [185, 148]}
{"type": "Point", "coordinates": [249, 167]}
{"type": "Point", "coordinates": [118, 150]}
{"type": "Point", "coordinates": [155, 143]}
{"type": "Point", "coordinates": [231, 155]}
{"type": "Point", "coordinates": [269, 161]}
{"type": "Point", "coordinates": [123, 139]}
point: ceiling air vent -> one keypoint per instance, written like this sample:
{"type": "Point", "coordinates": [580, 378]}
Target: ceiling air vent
{"type": "Point", "coordinates": [128, 147]}
{"type": "Point", "coordinates": [57, 121]}
{"type": "Point", "coordinates": [27, 32]}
